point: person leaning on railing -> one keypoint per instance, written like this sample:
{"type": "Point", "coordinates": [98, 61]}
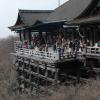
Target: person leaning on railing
{"type": "Point", "coordinates": [19, 44]}
{"type": "Point", "coordinates": [25, 44]}
{"type": "Point", "coordinates": [30, 46]}
{"type": "Point", "coordinates": [77, 46]}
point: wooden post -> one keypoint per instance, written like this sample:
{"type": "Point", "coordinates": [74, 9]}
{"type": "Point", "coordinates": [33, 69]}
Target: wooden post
{"type": "Point", "coordinates": [24, 36]}
{"type": "Point", "coordinates": [23, 75]}
{"type": "Point", "coordinates": [73, 34]}
{"type": "Point", "coordinates": [46, 75]}
{"type": "Point", "coordinates": [37, 90]}
{"type": "Point", "coordinates": [30, 37]}
{"type": "Point", "coordinates": [56, 75]}
{"type": "Point", "coordinates": [20, 36]}
{"type": "Point", "coordinates": [94, 36]}
{"type": "Point", "coordinates": [85, 62]}
{"type": "Point", "coordinates": [30, 74]}
{"type": "Point", "coordinates": [78, 74]}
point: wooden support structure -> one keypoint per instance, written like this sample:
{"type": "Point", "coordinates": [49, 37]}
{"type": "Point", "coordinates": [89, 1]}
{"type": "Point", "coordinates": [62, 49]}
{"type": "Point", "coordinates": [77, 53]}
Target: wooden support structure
{"type": "Point", "coordinates": [34, 74]}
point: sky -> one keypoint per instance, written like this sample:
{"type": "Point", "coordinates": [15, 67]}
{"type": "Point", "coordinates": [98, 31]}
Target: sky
{"type": "Point", "coordinates": [9, 11]}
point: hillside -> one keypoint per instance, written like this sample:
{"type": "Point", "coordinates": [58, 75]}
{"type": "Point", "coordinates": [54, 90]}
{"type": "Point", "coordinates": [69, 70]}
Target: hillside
{"type": "Point", "coordinates": [8, 84]}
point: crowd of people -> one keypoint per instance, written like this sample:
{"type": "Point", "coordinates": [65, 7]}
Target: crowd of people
{"type": "Point", "coordinates": [59, 44]}
{"type": "Point", "coordinates": [64, 44]}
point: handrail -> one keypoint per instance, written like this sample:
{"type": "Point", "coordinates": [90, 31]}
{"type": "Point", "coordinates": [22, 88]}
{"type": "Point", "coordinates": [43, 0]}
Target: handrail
{"type": "Point", "coordinates": [43, 54]}
{"type": "Point", "coordinates": [93, 50]}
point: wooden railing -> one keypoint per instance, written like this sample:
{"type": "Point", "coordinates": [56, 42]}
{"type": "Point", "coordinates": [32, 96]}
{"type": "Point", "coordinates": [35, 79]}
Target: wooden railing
{"type": "Point", "coordinates": [40, 54]}
{"type": "Point", "coordinates": [43, 54]}
{"type": "Point", "coordinates": [93, 50]}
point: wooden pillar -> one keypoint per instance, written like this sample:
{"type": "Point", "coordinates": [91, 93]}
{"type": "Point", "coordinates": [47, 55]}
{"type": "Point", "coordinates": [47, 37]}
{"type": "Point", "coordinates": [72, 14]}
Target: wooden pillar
{"type": "Point", "coordinates": [91, 33]}
{"type": "Point", "coordinates": [30, 36]}
{"type": "Point", "coordinates": [20, 37]}
{"type": "Point", "coordinates": [24, 36]}
{"type": "Point", "coordinates": [56, 73]}
{"type": "Point", "coordinates": [78, 74]}
{"type": "Point", "coordinates": [73, 34]}
{"type": "Point", "coordinates": [46, 38]}
{"type": "Point", "coordinates": [30, 74]}
{"type": "Point", "coordinates": [46, 75]}
{"type": "Point", "coordinates": [95, 35]}
{"type": "Point", "coordinates": [23, 72]}
{"type": "Point", "coordinates": [37, 88]}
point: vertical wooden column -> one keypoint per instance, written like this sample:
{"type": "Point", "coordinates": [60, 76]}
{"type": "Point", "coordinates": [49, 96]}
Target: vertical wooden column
{"type": "Point", "coordinates": [78, 74]}
{"type": "Point", "coordinates": [92, 36]}
{"type": "Point", "coordinates": [46, 38]}
{"type": "Point", "coordinates": [94, 32]}
{"type": "Point", "coordinates": [30, 74]}
{"type": "Point", "coordinates": [73, 35]}
{"type": "Point", "coordinates": [24, 34]}
{"type": "Point", "coordinates": [56, 73]}
{"type": "Point", "coordinates": [23, 73]}
{"type": "Point", "coordinates": [21, 86]}
{"type": "Point", "coordinates": [20, 37]}
{"type": "Point", "coordinates": [17, 67]}
{"type": "Point", "coordinates": [37, 90]}
{"type": "Point", "coordinates": [46, 75]}
{"type": "Point", "coordinates": [30, 36]}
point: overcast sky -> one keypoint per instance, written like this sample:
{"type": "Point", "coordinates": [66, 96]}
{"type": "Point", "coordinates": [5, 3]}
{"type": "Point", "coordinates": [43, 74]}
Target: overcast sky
{"type": "Point", "coordinates": [9, 11]}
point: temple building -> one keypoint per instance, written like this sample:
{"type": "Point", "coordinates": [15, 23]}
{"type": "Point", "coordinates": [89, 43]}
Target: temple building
{"type": "Point", "coordinates": [56, 43]}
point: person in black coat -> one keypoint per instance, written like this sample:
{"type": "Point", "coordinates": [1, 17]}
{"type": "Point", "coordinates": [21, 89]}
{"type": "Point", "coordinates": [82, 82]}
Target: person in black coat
{"type": "Point", "coordinates": [77, 44]}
